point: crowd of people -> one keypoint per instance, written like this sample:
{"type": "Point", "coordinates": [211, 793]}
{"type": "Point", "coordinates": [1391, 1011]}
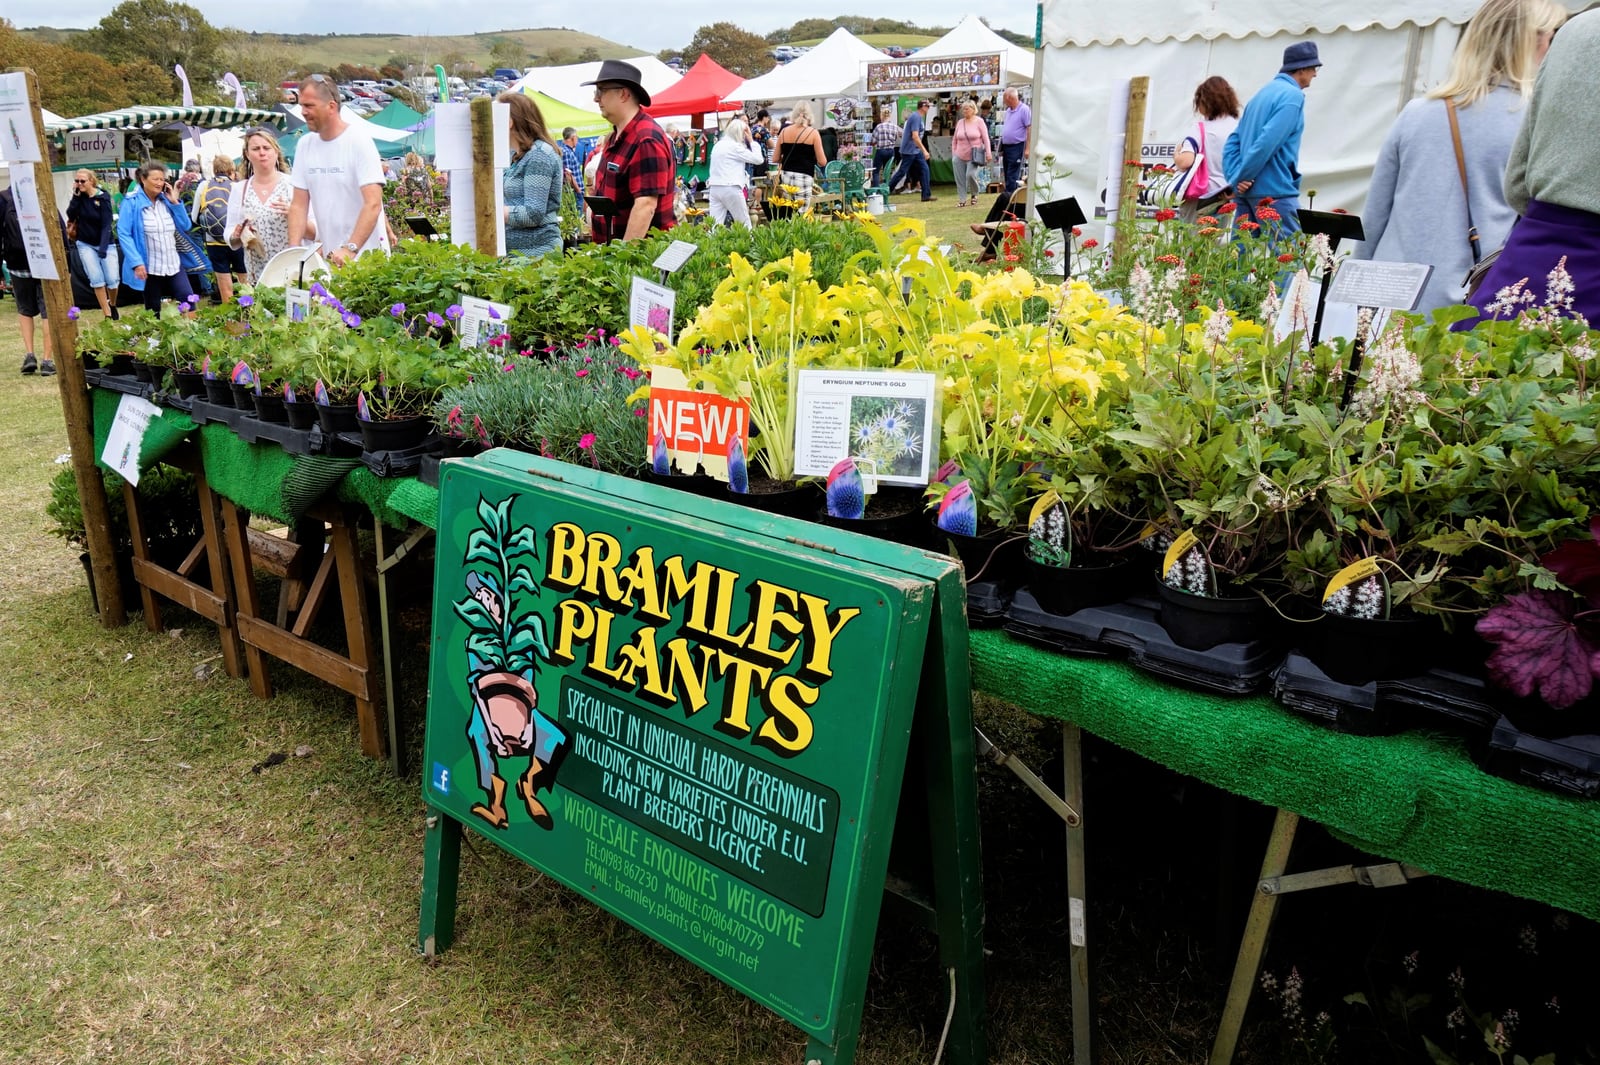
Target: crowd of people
{"type": "Point", "coordinates": [1497, 158]}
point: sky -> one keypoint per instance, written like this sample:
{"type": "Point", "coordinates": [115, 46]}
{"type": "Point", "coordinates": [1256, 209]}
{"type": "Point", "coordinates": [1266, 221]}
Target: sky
{"type": "Point", "coordinates": [649, 26]}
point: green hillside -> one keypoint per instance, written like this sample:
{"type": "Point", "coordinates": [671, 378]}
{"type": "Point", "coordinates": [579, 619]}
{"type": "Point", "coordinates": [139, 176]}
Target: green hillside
{"type": "Point", "coordinates": [376, 49]}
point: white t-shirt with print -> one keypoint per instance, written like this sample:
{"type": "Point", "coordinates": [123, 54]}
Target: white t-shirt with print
{"type": "Point", "coordinates": [333, 172]}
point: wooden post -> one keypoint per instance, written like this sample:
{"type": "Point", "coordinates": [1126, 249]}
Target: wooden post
{"type": "Point", "coordinates": [1132, 145]}
{"type": "Point", "coordinates": [483, 191]}
{"type": "Point", "coordinates": [75, 406]}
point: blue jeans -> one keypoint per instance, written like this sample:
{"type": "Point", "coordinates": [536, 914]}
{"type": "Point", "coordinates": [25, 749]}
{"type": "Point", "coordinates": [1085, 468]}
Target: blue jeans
{"type": "Point", "coordinates": [910, 167]}
{"type": "Point", "coordinates": [1011, 154]}
{"type": "Point", "coordinates": [881, 158]}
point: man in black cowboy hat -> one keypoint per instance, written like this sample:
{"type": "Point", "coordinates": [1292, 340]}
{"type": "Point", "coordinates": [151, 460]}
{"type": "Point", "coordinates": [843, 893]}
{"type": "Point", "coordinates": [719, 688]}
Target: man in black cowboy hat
{"type": "Point", "coordinates": [1262, 156]}
{"type": "Point", "coordinates": [638, 171]}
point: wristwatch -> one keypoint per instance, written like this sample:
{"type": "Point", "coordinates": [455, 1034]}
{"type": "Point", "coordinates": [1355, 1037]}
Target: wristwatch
{"type": "Point", "coordinates": [350, 245]}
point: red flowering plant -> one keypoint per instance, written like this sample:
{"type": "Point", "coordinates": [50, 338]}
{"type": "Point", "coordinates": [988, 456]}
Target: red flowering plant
{"type": "Point", "coordinates": [569, 403]}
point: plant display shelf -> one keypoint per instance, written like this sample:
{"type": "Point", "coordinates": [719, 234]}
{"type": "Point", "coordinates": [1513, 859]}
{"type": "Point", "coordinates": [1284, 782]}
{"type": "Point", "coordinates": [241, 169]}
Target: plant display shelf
{"type": "Point", "coordinates": [1415, 799]}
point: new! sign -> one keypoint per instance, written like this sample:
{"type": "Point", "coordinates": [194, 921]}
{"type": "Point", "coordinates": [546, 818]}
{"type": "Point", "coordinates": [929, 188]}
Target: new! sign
{"type": "Point", "coordinates": [689, 427]}
{"type": "Point", "coordinates": [698, 719]}
{"type": "Point", "coordinates": [94, 147]}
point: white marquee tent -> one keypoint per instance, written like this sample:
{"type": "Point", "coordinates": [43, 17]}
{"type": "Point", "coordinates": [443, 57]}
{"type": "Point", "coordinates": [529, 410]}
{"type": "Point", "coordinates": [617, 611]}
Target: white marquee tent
{"type": "Point", "coordinates": [1377, 55]}
{"type": "Point", "coordinates": [565, 83]}
{"type": "Point", "coordinates": [385, 138]}
{"type": "Point", "coordinates": [836, 67]}
{"type": "Point", "coordinates": [972, 37]}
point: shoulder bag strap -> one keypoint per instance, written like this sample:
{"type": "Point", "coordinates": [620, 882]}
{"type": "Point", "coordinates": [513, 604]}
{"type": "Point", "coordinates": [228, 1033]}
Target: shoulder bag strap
{"type": "Point", "coordinates": [1461, 169]}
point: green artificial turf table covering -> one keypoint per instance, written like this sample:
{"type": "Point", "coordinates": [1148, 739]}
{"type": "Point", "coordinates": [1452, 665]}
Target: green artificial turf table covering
{"type": "Point", "coordinates": [1416, 797]}
{"type": "Point", "coordinates": [264, 479]}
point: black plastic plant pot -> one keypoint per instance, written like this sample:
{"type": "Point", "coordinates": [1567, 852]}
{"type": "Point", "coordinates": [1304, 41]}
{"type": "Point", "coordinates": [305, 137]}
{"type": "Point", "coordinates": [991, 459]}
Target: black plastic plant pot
{"type": "Point", "coordinates": [992, 556]}
{"type": "Point", "coordinates": [1200, 622]}
{"type": "Point", "coordinates": [269, 407]}
{"type": "Point", "coordinates": [244, 396]}
{"type": "Point", "coordinates": [302, 414]}
{"type": "Point", "coordinates": [1358, 650]}
{"type": "Point", "coordinates": [143, 371]}
{"type": "Point", "coordinates": [1067, 589]}
{"type": "Point", "coordinates": [337, 418]}
{"type": "Point", "coordinates": [219, 391]}
{"type": "Point", "coordinates": [894, 514]}
{"type": "Point", "coordinates": [190, 383]}
{"type": "Point", "coordinates": [797, 500]}
{"type": "Point", "coordinates": [395, 434]}
{"type": "Point", "coordinates": [121, 365]}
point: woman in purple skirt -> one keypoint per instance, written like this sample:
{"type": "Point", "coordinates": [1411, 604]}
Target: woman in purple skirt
{"type": "Point", "coordinates": [1553, 181]}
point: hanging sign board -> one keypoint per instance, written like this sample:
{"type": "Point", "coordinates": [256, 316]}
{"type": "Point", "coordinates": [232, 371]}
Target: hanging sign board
{"type": "Point", "coordinates": [686, 713]}
{"type": "Point", "coordinates": [934, 75]}
{"type": "Point", "coordinates": [94, 147]}
{"type": "Point", "coordinates": [18, 141]}
{"type": "Point", "coordinates": [30, 219]}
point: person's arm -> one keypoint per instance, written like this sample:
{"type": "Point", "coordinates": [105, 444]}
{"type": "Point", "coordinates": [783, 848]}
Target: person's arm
{"type": "Point", "coordinates": [299, 206]}
{"type": "Point", "coordinates": [366, 222]}
{"type": "Point", "coordinates": [816, 145]}
{"type": "Point", "coordinates": [640, 215]}
{"type": "Point", "coordinates": [132, 215]}
{"type": "Point", "coordinates": [1276, 130]}
{"type": "Point", "coordinates": [1187, 148]}
{"type": "Point", "coordinates": [107, 219]}
{"type": "Point", "coordinates": [234, 226]}
{"type": "Point", "coordinates": [748, 153]}
{"type": "Point", "coordinates": [1027, 130]}
{"type": "Point", "coordinates": [532, 193]}
{"type": "Point", "coordinates": [916, 138]}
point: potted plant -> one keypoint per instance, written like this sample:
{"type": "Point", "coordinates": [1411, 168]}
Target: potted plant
{"type": "Point", "coordinates": [402, 378]}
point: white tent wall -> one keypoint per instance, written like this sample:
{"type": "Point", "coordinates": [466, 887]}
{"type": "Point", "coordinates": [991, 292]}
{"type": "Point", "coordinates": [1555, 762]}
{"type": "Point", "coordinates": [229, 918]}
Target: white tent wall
{"type": "Point", "coordinates": [1367, 77]}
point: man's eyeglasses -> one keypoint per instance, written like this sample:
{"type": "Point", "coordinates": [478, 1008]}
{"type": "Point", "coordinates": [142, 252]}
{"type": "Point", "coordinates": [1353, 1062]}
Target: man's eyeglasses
{"type": "Point", "coordinates": [601, 90]}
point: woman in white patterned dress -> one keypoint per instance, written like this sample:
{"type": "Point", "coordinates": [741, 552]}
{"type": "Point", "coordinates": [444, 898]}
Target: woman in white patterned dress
{"type": "Point", "coordinates": [258, 210]}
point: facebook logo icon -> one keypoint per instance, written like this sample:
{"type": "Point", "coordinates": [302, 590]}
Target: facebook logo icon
{"type": "Point", "coordinates": [441, 778]}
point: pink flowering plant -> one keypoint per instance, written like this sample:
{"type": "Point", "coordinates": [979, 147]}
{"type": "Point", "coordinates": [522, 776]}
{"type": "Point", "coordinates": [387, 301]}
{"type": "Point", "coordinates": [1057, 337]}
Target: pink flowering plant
{"type": "Point", "coordinates": [570, 403]}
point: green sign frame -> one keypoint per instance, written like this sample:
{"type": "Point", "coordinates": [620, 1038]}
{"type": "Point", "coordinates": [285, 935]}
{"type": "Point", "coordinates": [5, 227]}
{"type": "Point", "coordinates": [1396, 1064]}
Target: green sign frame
{"type": "Point", "coordinates": [699, 717]}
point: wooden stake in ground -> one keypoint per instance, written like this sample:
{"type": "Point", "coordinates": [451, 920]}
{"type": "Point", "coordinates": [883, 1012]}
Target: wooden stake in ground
{"type": "Point", "coordinates": [63, 333]}
{"type": "Point", "coordinates": [1132, 146]}
{"type": "Point", "coordinates": [483, 191]}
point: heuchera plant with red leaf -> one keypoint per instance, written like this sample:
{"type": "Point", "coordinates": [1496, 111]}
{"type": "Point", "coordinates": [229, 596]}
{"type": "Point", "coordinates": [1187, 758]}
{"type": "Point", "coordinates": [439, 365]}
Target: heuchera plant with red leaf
{"type": "Point", "coordinates": [1548, 640]}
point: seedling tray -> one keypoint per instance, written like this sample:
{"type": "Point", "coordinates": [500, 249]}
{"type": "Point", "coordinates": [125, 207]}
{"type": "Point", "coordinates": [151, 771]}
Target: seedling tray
{"type": "Point", "coordinates": [1383, 707]}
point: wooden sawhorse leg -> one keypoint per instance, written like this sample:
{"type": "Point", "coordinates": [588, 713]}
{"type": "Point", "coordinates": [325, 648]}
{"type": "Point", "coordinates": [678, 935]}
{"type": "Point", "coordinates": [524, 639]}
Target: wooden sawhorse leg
{"type": "Point", "coordinates": [354, 671]}
{"type": "Point", "coordinates": [216, 603]}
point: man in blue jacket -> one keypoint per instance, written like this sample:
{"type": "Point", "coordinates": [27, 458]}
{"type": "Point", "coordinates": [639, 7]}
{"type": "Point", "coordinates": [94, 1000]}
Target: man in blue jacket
{"type": "Point", "coordinates": [1262, 156]}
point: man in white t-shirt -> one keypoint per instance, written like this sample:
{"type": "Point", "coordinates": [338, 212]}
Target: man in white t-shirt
{"type": "Point", "coordinates": [339, 171]}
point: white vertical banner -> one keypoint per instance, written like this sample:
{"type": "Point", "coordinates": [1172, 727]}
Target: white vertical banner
{"type": "Point", "coordinates": [452, 133]}
{"type": "Point", "coordinates": [25, 190]}
{"type": "Point", "coordinates": [19, 142]}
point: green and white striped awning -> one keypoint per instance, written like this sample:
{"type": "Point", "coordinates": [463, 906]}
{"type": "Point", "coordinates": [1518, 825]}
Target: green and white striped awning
{"type": "Point", "coordinates": [148, 117]}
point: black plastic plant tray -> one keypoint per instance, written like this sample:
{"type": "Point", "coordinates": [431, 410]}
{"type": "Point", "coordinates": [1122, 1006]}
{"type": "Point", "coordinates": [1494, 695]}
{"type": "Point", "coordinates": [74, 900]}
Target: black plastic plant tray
{"type": "Point", "coordinates": [126, 384]}
{"type": "Point", "coordinates": [1384, 707]}
{"type": "Point", "coordinates": [252, 430]}
{"type": "Point", "coordinates": [405, 462]}
{"type": "Point", "coordinates": [204, 413]}
{"type": "Point", "coordinates": [428, 470]}
{"type": "Point", "coordinates": [1570, 765]}
{"type": "Point", "coordinates": [176, 401]}
{"type": "Point", "coordinates": [987, 602]}
{"type": "Point", "coordinates": [1132, 630]}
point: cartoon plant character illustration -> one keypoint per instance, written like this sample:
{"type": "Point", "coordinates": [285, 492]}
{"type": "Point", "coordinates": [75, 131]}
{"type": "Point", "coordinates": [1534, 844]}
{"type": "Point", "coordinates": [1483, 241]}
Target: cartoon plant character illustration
{"type": "Point", "coordinates": [504, 647]}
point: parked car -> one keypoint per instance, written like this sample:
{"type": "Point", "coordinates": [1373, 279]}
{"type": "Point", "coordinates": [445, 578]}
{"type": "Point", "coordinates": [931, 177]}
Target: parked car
{"type": "Point", "coordinates": [506, 74]}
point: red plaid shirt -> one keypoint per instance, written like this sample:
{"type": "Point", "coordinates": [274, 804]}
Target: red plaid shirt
{"type": "Point", "coordinates": [637, 161]}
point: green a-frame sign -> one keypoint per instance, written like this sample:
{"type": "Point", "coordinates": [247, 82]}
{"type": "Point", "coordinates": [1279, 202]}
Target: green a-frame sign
{"type": "Point", "coordinates": [699, 716]}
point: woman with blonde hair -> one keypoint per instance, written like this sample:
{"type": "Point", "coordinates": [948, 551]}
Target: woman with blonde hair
{"type": "Point", "coordinates": [258, 209]}
{"type": "Point", "coordinates": [533, 183]}
{"type": "Point", "coordinates": [970, 136]}
{"type": "Point", "coordinates": [95, 237]}
{"type": "Point", "coordinates": [789, 151]}
{"type": "Point", "coordinates": [1440, 174]}
{"type": "Point", "coordinates": [729, 177]}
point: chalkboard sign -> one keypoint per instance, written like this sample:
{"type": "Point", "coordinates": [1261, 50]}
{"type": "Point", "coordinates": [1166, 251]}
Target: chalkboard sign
{"type": "Point", "coordinates": [698, 717]}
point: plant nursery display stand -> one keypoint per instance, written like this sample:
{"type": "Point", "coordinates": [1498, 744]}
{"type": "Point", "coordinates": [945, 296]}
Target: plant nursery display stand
{"type": "Point", "coordinates": [1415, 799]}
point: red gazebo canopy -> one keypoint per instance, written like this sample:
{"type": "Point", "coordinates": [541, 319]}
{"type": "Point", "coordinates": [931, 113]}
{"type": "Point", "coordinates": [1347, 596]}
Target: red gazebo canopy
{"type": "Point", "coordinates": [699, 91]}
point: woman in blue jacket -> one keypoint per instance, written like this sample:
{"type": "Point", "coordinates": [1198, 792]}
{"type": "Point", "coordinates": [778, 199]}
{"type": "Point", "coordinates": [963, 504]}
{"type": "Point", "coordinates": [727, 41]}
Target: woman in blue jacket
{"type": "Point", "coordinates": [154, 260]}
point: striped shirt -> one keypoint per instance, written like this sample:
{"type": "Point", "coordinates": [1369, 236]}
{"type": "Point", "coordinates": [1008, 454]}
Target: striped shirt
{"type": "Point", "coordinates": [160, 242]}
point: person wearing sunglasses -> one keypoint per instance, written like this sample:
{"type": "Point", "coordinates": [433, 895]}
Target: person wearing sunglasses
{"type": "Point", "coordinates": [94, 225]}
{"type": "Point", "coordinates": [638, 172]}
{"type": "Point", "coordinates": [338, 173]}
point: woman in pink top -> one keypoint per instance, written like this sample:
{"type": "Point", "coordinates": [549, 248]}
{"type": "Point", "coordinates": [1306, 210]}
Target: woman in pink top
{"type": "Point", "coordinates": [971, 136]}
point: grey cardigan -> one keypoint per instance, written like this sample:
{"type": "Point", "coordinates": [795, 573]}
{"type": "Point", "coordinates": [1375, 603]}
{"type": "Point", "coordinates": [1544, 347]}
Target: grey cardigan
{"type": "Point", "coordinates": [1415, 212]}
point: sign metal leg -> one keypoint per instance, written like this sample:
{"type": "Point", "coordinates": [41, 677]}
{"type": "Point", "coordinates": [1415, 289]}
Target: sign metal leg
{"type": "Point", "coordinates": [441, 866]}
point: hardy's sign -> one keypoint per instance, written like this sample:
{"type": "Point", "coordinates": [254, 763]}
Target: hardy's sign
{"type": "Point", "coordinates": [700, 727]}
{"type": "Point", "coordinates": [94, 147]}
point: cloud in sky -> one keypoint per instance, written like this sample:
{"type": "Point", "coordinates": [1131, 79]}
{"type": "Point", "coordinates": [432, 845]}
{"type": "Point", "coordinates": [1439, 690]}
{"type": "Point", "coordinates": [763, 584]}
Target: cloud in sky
{"type": "Point", "coordinates": [662, 24]}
